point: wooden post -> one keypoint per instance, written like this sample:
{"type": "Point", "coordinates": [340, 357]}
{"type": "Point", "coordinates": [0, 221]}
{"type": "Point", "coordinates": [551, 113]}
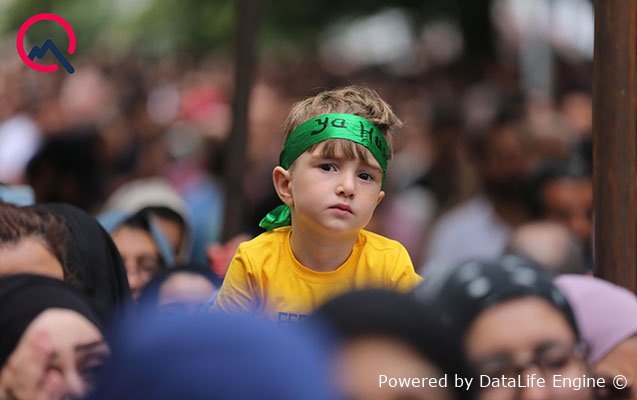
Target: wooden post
{"type": "Point", "coordinates": [235, 203]}
{"type": "Point", "coordinates": [615, 141]}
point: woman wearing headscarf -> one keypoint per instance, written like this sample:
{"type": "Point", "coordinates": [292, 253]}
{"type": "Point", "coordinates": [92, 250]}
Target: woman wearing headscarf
{"type": "Point", "coordinates": [386, 336]}
{"type": "Point", "coordinates": [159, 199]}
{"type": "Point", "coordinates": [144, 249]}
{"type": "Point", "coordinates": [607, 316]}
{"type": "Point", "coordinates": [213, 356]}
{"type": "Point", "coordinates": [93, 261]}
{"type": "Point", "coordinates": [51, 341]}
{"type": "Point", "coordinates": [515, 326]}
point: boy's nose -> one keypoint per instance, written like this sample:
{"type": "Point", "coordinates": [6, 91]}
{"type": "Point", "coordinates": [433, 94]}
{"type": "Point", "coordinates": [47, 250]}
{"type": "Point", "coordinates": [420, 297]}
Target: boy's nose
{"type": "Point", "coordinates": [346, 187]}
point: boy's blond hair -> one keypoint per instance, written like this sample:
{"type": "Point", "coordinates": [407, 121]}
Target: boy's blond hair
{"type": "Point", "coordinates": [357, 100]}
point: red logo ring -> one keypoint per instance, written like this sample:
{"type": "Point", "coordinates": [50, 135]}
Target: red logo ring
{"type": "Point", "coordinates": [25, 27]}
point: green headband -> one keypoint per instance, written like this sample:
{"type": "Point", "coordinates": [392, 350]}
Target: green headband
{"type": "Point", "coordinates": [327, 126]}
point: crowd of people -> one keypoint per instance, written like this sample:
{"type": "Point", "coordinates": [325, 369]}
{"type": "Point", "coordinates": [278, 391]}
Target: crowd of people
{"type": "Point", "coordinates": [480, 329]}
{"type": "Point", "coordinates": [436, 248]}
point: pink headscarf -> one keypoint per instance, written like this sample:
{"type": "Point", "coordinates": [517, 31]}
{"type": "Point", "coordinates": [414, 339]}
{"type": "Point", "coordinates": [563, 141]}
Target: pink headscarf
{"type": "Point", "coordinates": [606, 313]}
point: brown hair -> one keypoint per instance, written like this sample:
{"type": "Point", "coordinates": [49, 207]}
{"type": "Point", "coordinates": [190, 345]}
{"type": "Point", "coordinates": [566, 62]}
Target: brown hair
{"type": "Point", "coordinates": [357, 100]}
{"type": "Point", "coordinates": [19, 223]}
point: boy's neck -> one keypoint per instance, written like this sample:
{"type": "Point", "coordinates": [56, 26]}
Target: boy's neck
{"type": "Point", "coordinates": [319, 252]}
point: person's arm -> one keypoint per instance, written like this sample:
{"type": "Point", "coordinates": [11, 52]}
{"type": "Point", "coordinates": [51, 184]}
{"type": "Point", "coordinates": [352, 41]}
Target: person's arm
{"type": "Point", "coordinates": [237, 294]}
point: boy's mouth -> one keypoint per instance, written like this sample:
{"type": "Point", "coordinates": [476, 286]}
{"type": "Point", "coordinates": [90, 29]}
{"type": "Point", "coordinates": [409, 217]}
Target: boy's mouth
{"type": "Point", "coordinates": [343, 207]}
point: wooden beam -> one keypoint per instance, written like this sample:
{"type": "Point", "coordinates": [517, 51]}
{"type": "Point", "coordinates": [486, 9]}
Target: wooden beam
{"type": "Point", "coordinates": [615, 141]}
{"type": "Point", "coordinates": [245, 60]}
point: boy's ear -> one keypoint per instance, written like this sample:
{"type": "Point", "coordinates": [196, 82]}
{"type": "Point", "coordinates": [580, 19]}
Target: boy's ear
{"type": "Point", "coordinates": [381, 195]}
{"type": "Point", "coordinates": [282, 179]}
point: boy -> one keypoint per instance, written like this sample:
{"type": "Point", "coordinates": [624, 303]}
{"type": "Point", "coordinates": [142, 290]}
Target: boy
{"type": "Point", "coordinates": [332, 169]}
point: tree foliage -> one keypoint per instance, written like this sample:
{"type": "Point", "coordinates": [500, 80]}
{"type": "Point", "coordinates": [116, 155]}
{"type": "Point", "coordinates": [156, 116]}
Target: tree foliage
{"type": "Point", "coordinates": [205, 27]}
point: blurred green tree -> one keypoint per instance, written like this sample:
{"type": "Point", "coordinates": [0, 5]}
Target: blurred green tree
{"type": "Point", "coordinates": [205, 27]}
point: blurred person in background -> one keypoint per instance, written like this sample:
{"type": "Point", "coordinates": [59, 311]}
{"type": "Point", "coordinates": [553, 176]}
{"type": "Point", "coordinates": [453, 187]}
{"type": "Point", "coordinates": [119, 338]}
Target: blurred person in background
{"type": "Point", "coordinates": [88, 97]}
{"type": "Point", "coordinates": [20, 133]}
{"type": "Point", "coordinates": [95, 266]}
{"type": "Point", "coordinates": [512, 323]}
{"type": "Point", "coordinates": [68, 168]}
{"type": "Point", "coordinates": [607, 316]}
{"type": "Point", "coordinates": [32, 241]}
{"type": "Point", "coordinates": [576, 107]}
{"type": "Point", "coordinates": [203, 356]}
{"type": "Point", "coordinates": [196, 142]}
{"type": "Point", "coordinates": [433, 184]}
{"type": "Point", "coordinates": [563, 193]}
{"type": "Point", "coordinates": [390, 334]}
{"type": "Point", "coordinates": [157, 199]}
{"type": "Point", "coordinates": [554, 137]}
{"type": "Point", "coordinates": [142, 246]}
{"type": "Point", "coordinates": [481, 226]}
{"type": "Point", "coordinates": [51, 341]}
{"type": "Point", "coordinates": [196, 173]}
{"type": "Point", "coordinates": [220, 255]}
{"type": "Point", "coordinates": [444, 177]}
{"type": "Point", "coordinates": [184, 288]}
{"type": "Point", "coordinates": [136, 140]}
{"type": "Point", "coordinates": [550, 245]}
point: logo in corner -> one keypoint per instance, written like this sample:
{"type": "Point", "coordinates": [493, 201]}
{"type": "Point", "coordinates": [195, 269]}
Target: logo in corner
{"type": "Point", "coordinates": [40, 51]}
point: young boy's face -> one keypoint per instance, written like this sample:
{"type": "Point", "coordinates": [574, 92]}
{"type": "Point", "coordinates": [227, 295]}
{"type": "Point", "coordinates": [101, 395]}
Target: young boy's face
{"type": "Point", "coordinates": [334, 194]}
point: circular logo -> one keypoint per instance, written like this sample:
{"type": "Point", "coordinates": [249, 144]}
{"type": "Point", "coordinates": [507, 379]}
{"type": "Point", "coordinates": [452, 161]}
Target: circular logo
{"type": "Point", "coordinates": [25, 27]}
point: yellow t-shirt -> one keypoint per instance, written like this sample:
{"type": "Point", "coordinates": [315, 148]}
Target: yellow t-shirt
{"type": "Point", "coordinates": [265, 278]}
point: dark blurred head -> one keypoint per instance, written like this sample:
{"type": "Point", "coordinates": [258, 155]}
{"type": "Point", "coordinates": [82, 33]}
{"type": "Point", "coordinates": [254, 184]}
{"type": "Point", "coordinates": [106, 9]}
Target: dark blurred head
{"type": "Point", "coordinates": [551, 245]}
{"type": "Point", "coordinates": [213, 356]}
{"type": "Point", "coordinates": [31, 241]}
{"type": "Point", "coordinates": [446, 130]}
{"type": "Point", "coordinates": [577, 108]}
{"type": "Point", "coordinates": [67, 168]}
{"type": "Point", "coordinates": [563, 192]}
{"type": "Point", "coordinates": [184, 288]}
{"type": "Point", "coordinates": [390, 334]}
{"type": "Point", "coordinates": [502, 154]}
{"type": "Point", "coordinates": [447, 138]}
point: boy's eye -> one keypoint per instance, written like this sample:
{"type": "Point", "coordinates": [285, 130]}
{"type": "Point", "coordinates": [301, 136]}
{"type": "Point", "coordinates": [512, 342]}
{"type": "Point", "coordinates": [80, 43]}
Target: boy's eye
{"type": "Point", "coordinates": [327, 167]}
{"type": "Point", "coordinates": [365, 176]}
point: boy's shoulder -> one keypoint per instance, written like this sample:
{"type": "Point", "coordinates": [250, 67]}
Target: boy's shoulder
{"type": "Point", "coordinates": [272, 238]}
{"type": "Point", "coordinates": [378, 242]}
{"type": "Point", "coordinates": [276, 238]}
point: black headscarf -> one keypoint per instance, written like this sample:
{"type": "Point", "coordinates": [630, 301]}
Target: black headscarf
{"type": "Point", "coordinates": [397, 316]}
{"type": "Point", "coordinates": [24, 297]}
{"type": "Point", "coordinates": [95, 265]}
{"type": "Point", "coordinates": [462, 293]}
